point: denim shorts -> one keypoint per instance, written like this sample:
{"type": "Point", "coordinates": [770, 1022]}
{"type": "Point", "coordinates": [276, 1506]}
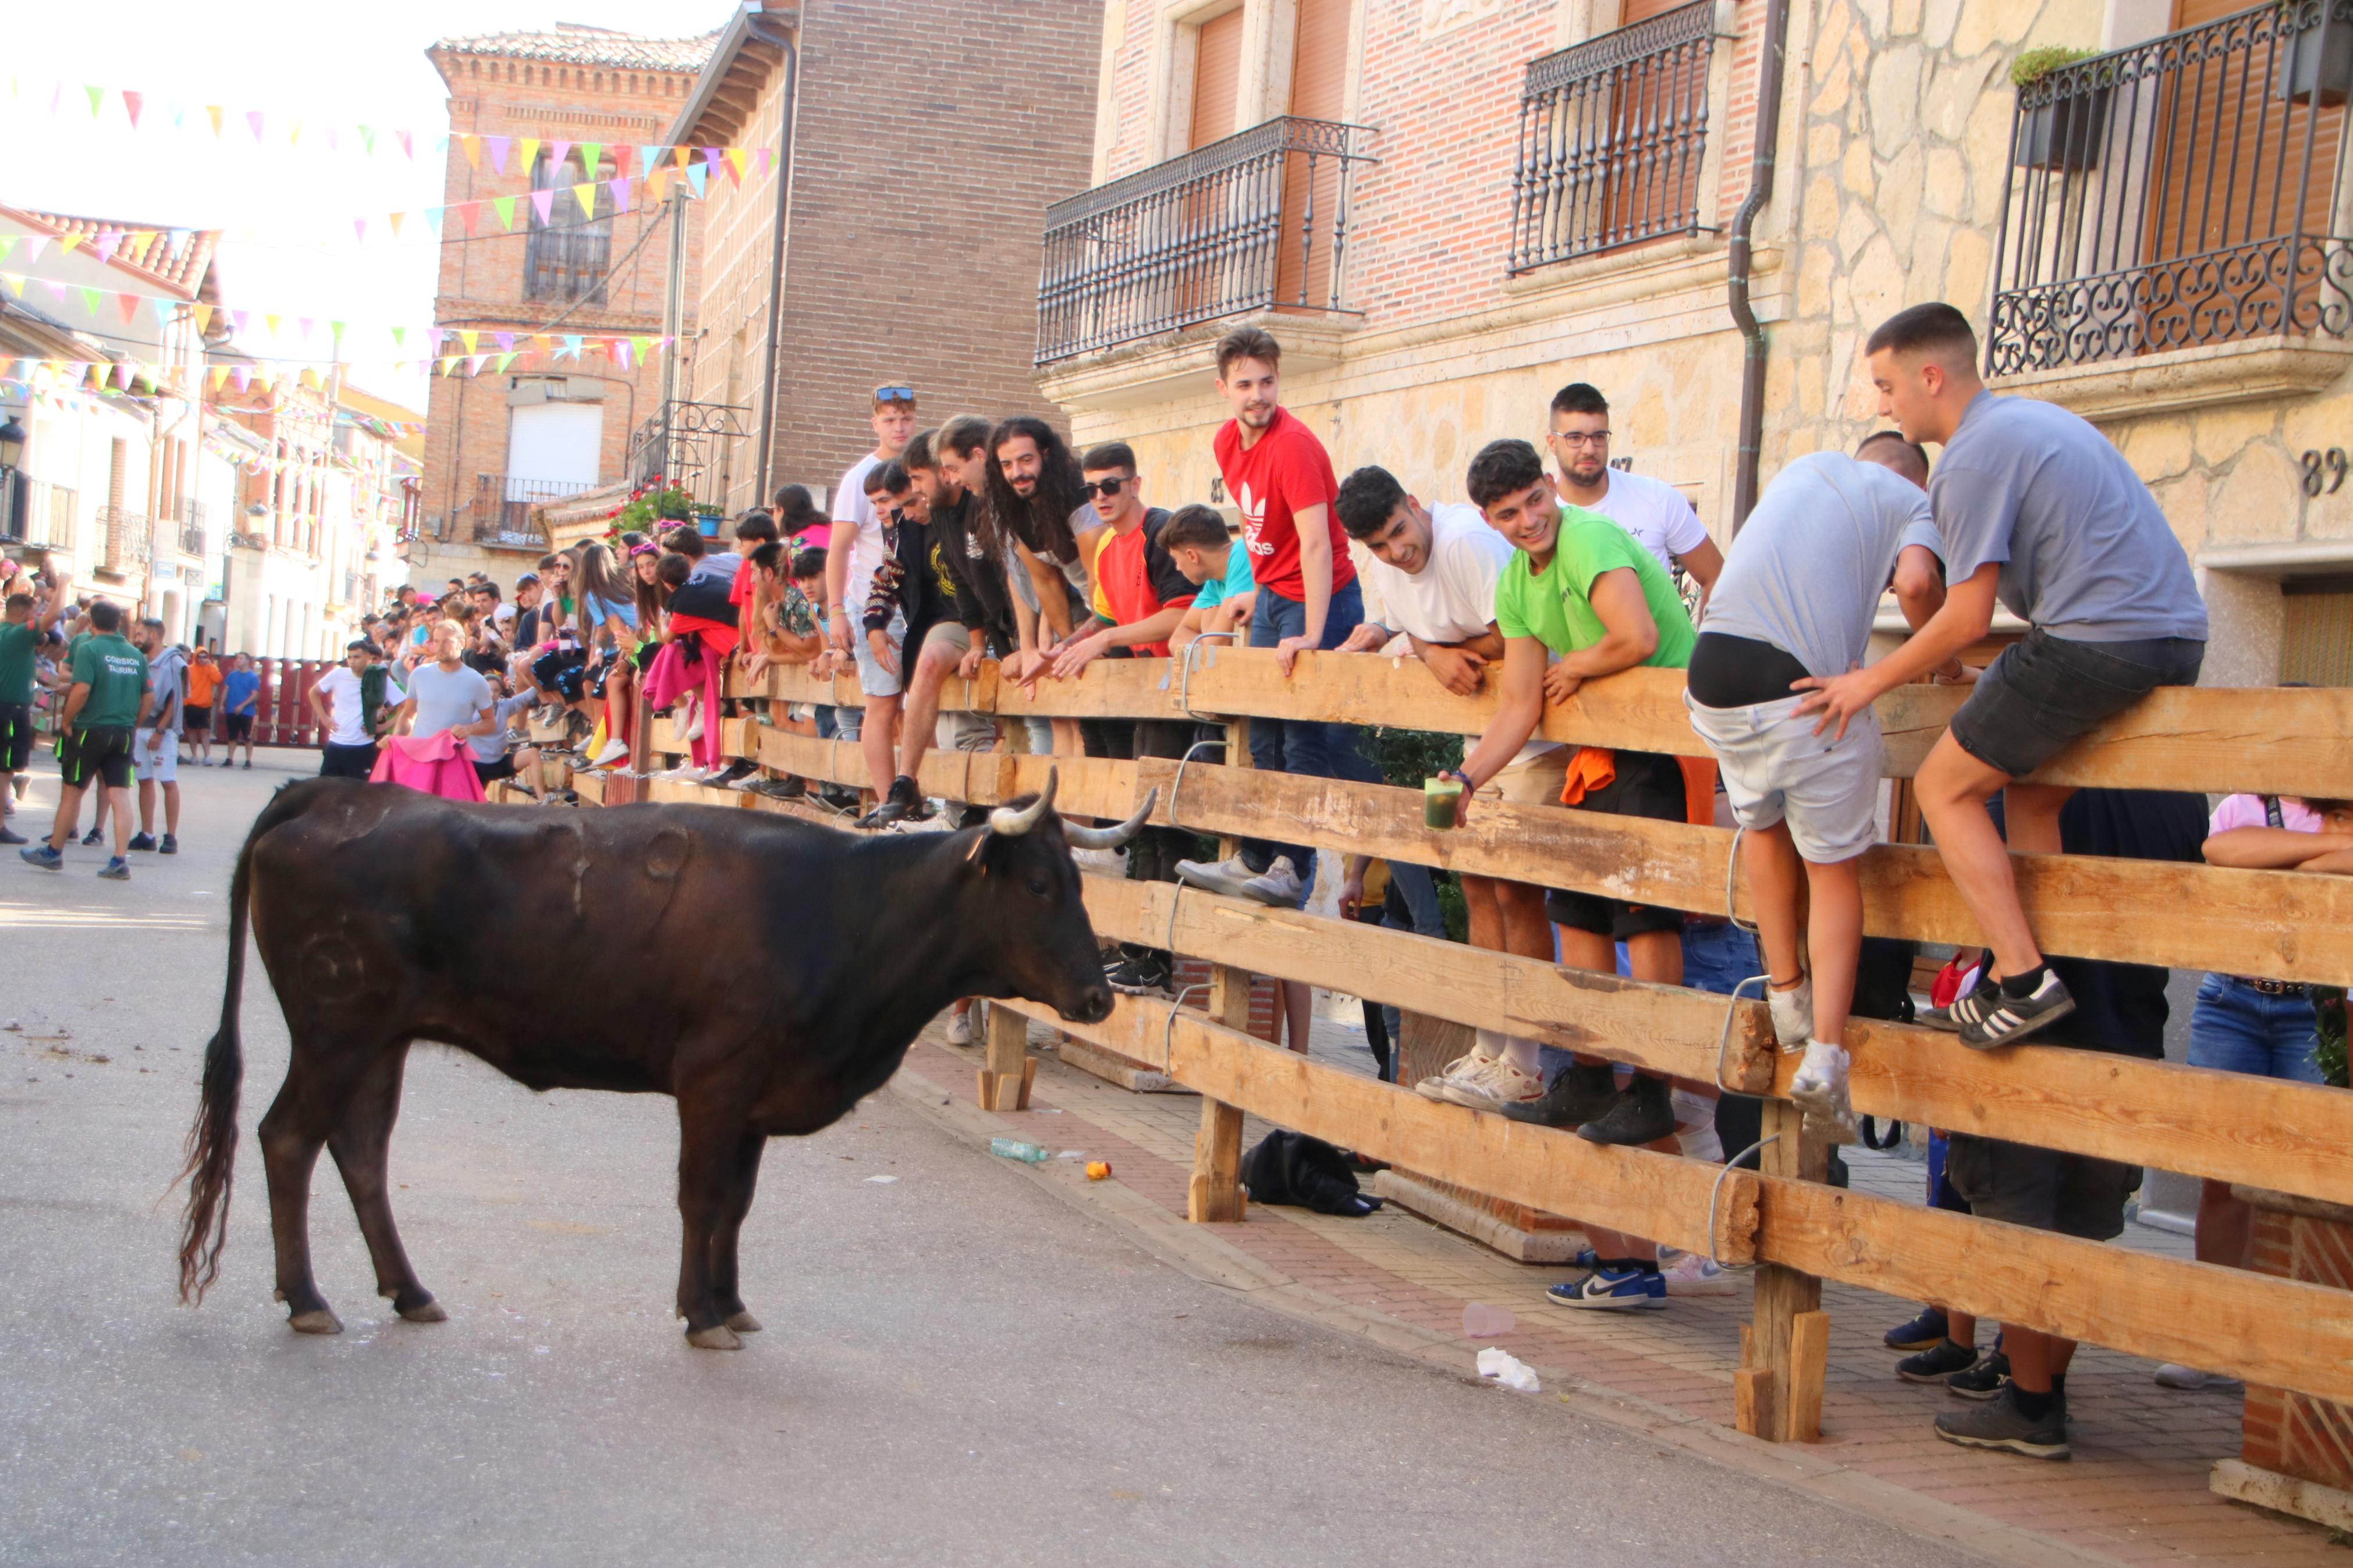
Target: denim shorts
{"type": "Point", "coordinates": [873, 678]}
{"type": "Point", "coordinates": [1777, 770]}
{"type": "Point", "coordinates": [2237, 1028]}
{"type": "Point", "coordinates": [2045, 691]}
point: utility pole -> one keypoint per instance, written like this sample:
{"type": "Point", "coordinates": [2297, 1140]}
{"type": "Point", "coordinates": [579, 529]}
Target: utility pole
{"type": "Point", "coordinates": [673, 320]}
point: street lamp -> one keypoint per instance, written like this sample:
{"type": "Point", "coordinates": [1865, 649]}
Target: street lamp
{"type": "Point", "coordinates": [12, 443]}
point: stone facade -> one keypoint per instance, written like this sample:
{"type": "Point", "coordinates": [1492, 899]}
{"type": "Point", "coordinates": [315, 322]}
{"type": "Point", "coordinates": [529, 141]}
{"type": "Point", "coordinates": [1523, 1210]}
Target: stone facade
{"type": "Point", "coordinates": [1894, 159]}
{"type": "Point", "coordinates": [576, 85]}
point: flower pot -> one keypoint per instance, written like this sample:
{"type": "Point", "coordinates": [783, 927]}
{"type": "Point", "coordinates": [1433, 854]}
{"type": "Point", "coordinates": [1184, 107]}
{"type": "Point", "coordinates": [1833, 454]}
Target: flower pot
{"type": "Point", "coordinates": [2316, 62]}
{"type": "Point", "coordinates": [2065, 134]}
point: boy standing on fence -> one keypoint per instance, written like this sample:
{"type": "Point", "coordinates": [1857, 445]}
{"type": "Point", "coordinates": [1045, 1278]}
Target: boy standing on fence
{"type": "Point", "coordinates": [2038, 510]}
{"type": "Point", "coordinates": [1794, 600]}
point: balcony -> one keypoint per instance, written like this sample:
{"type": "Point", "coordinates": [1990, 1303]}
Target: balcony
{"type": "Point", "coordinates": [2180, 196]}
{"type": "Point", "coordinates": [1258, 221]}
{"type": "Point", "coordinates": [1612, 135]}
{"type": "Point", "coordinates": [695, 447]}
{"type": "Point", "coordinates": [192, 526]}
{"type": "Point", "coordinates": [123, 541]}
{"type": "Point", "coordinates": [498, 513]}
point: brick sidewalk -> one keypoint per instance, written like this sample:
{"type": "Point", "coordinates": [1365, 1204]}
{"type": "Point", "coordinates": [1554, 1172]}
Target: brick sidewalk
{"type": "Point", "coordinates": [2136, 1491]}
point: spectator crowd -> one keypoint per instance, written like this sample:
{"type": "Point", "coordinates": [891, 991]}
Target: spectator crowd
{"type": "Point", "coordinates": [978, 539]}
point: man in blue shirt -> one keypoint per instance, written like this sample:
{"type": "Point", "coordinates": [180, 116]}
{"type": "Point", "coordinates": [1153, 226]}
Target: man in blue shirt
{"type": "Point", "coordinates": [240, 694]}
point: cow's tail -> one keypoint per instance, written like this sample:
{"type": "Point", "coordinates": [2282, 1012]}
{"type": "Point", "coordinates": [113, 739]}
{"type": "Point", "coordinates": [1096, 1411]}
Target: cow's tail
{"type": "Point", "coordinates": [212, 1142]}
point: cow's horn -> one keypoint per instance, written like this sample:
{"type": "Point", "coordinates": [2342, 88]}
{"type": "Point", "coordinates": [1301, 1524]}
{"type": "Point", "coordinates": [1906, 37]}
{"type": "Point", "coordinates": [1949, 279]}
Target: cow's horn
{"type": "Point", "coordinates": [1110, 837]}
{"type": "Point", "coordinates": [1012, 824]}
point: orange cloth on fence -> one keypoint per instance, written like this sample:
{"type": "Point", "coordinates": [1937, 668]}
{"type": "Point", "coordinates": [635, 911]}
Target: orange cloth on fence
{"type": "Point", "coordinates": [1699, 790]}
{"type": "Point", "coordinates": [1593, 768]}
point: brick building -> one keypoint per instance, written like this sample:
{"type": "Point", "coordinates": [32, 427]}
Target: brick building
{"type": "Point", "coordinates": [526, 111]}
{"type": "Point", "coordinates": [925, 142]}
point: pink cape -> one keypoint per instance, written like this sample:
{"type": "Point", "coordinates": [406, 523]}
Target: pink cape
{"type": "Point", "coordinates": [437, 765]}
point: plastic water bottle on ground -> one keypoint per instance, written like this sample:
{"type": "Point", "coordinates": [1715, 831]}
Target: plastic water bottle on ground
{"type": "Point", "coordinates": [1015, 1149]}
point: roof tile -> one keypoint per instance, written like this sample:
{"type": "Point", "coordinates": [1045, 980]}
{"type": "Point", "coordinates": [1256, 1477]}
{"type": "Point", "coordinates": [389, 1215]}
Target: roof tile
{"type": "Point", "coordinates": [570, 43]}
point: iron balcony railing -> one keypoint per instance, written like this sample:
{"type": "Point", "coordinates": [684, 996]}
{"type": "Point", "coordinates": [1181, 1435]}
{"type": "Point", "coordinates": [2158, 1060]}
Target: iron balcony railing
{"type": "Point", "coordinates": [1612, 135]}
{"type": "Point", "coordinates": [694, 447]}
{"type": "Point", "coordinates": [502, 506]}
{"type": "Point", "coordinates": [2183, 191]}
{"type": "Point", "coordinates": [15, 506]}
{"type": "Point", "coordinates": [124, 539]}
{"type": "Point", "coordinates": [1255, 222]}
{"type": "Point", "coordinates": [56, 515]}
{"type": "Point", "coordinates": [192, 526]}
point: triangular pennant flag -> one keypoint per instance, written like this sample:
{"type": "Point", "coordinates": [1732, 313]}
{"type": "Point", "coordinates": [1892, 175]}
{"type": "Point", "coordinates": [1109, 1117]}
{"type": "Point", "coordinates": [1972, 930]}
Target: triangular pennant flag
{"type": "Point", "coordinates": [294, 134]}
{"type": "Point", "coordinates": [543, 203]}
{"type": "Point", "coordinates": [557, 151]}
{"type": "Point", "coordinates": [123, 373]}
{"type": "Point", "coordinates": [219, 373]}
{"type": "Point", "coordinates": [505, 360]}
{"type": "Point", "coordinates": [621, 352]}
{"type": "Point", "coordinates": [433, 218]}
{"type": "Point", "coordinates": [367, 139]}
{"type": "Point", "coordinates": [474, 366]}
{"type": "Point", "coordinates": [712, 156]}
{"type": "Point", "coordinates": [622, 154]}
{"type": "Point", "coordinates": [97, 97]}
{"type": "Point", "coordinates": [738, 160]}
{"type": "Point", "coordinates": [696, 176]}
{"type": "Point", "coordinates": [469, 337]}
{"type": "Point", "coordinates": [449, 364]}
{"type": "Point", "coordinates": [526, 149]}
{"type": "Point", "coordinates": [106, 244]}
{"type": "Point", "coordinates": [469, 213]}
{"type": "Point", "coordinates": [649, 158]}
{"type": "Point", "coordinates": [571, 346]}
{"type": "Point", "coordinates": [505, 207]}
{"type": "Point", "coordinates": [132, 102]}
{"type": "Point", "coordinates": [165, 309]}
{"type": "Point", "coordinates": [204, 314]}
{"type": "Point", "coordinates": [89, 297]}
{"type": "Point", "coordinates": [7, 244]}
{"type": "Point", "coordinates": [213, 113]}
{"type": "Point", "coordinates": [273, 323]}
{"type": "Point", "coordinates": [34, 244]}
{"type": "Point", "coordinates": [499, 146]}
{"type": "Point", "coordinates": [240, 317]}
{"type": "Point", "coordinates": [760, 162]}
{"type": "Point", "coordinates": [473, 147]}
{"type": "Point", "coordinates": [506, 340]}
{"type": "Point", "coordinates": [309, 324]}
{"type": "Point", "coordinates": [586, 197]}
{"type": "Point", "coordinates": [641, 345]}
{"type": "Point", "coordinates": [334, 139]}
{"type": "Point", "coordinates": [359, 228]}
{"type": "Point", "coordinates": [400, 337]}
{"type": "Point", "coordinates": [179, 117]}
{"type": "Point", "coordinates": [620, 189]}
{"type": "Point", "coordinates": [253, 119]}
{"type": "Point", "coordinates": [591, 154]}
{"type": "Point", "coordinates": [16, 281]}
{"type": "Point", "coordinates": [681, 156]}
{"type": "Point", "coordinates": [66, 242]}
{"type": "Point", "coordinates": [335, 330]}
{"type": "Point", "coordinates": [658, 184]}
{"type": "Point", "coordinates": [407, 149]}
{"type": "Point", "coordinates": [244, 374]}
{"type": "Point", "coordinates": [127, 306]}
{"type": "Point", "coordinates": [394, 220]}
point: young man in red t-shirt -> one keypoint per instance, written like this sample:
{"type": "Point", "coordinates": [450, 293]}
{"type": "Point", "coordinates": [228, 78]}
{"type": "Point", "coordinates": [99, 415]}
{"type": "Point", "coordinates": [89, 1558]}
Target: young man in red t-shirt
{"type": "Point", "coordinates": [1279, 474]}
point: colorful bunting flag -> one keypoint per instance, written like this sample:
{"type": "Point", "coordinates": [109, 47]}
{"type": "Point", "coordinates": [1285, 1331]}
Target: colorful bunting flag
{"type": "Point", "coordinates": [504, 205]}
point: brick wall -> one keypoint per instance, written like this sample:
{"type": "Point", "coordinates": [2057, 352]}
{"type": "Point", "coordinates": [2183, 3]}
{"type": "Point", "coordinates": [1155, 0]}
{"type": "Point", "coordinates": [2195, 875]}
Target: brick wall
{"type": "Point", "coordinates": [482, 282]}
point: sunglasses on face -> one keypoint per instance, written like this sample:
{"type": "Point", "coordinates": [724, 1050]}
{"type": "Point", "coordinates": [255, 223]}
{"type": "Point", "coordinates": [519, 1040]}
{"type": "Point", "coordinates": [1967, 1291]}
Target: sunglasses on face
{"type": "Point", "coordinates": [1107, 488]}
{"type": "Point", "coordinates": [896, 394]}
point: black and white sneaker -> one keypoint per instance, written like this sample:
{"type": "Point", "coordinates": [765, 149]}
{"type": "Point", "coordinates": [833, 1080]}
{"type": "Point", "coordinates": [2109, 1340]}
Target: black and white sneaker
{"type": "Point", "coordinates": [2003, 1425]}
{"type": "Point", "coordinates": [1141, 975]}
{"type": "Point", "coordinates": [1991, 1018]}
{"type": "Point", "coordinates": [900, 804]}
{"type": "Point", "coordinates": [142, 841]}
{"type": "Point", "coordinates": [1937, 1362]}
{"type": "Point", "coordinates": [1983, 1380]}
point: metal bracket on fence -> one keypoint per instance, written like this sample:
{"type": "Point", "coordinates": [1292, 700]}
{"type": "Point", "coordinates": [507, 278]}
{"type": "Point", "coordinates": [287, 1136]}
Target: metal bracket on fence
{"type": "Point", "coordinates": [1716, 1190]}
{"type": "Point", "coordinates": [1184, 678]}
{"type": "Point", "coordinates": [1168, 1026]}
{"type": "Point", "coordinates": [1724, 1036]}
{"type": "Point", "coordinates": [1177, 787]}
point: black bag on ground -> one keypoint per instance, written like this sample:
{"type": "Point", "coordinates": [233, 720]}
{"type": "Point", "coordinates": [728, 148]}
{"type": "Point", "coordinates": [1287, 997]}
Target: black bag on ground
{"type": "Point", "coordinates": [1306, 1173]}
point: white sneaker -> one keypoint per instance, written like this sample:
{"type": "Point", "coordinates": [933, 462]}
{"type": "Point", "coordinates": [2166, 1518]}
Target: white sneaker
{"type": "Point", "coordinates": [960, 1028]}
{"type": "Point", "coordinates": [1279, 887]}
{"type": "Point", "coordinates": [1793, 1013]}
{"type": "Point", "coordinates": [1500, 1084]}
{"type": "Point", "coordinates": [693, 730]}
{"type": "Point", "coordinates": [1227, 876]}
{"type": "Point", "coordinates": [1465, 1065]}
{"type": "Point", "coordinates": [1819, 1089]}
{"type": "Point", "coordinates": [615, 750]}
{"type": "Point", "coordinates": [2188, 1379]}
{"type": "Point", "coordinates": [1689, 1274]}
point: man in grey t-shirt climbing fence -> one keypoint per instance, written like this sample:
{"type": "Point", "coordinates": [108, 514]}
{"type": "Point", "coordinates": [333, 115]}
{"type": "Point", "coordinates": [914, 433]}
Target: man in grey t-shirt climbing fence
{"type": "Point", "coordinates": [2038, 511]}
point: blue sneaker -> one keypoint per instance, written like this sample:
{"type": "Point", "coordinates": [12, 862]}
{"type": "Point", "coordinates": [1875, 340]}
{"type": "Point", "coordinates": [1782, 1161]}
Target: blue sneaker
{"type": "Point", "coordinates": [41, 855]}
{"type": "Point", "coordinates": [116, 869]}
{"type": "Point", "coordinates": [1613, 1289]}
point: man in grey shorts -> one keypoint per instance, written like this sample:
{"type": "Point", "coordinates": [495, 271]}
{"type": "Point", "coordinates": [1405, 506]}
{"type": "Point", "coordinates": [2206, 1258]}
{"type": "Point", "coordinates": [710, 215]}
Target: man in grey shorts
{"type": "Point", "coordinates": [2037, 508]}
{"type": "Point", "coordinates": [1795, 598]}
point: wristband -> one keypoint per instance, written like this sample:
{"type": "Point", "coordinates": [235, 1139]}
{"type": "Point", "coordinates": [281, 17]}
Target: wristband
{"type": "Point", "coordinates": [1468, 787]}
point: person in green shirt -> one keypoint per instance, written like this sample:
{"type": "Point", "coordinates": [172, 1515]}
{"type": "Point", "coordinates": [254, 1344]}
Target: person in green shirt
{"type": "Point", "coordinates": [1581, 598]}
{"type": "Point", "coordinates": [106, 699]}
{"type": "Point", "coordinates": [22, 627]}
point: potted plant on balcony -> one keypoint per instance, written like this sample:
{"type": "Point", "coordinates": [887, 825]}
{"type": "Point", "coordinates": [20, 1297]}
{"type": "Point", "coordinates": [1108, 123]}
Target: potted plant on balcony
{"type": "Point", "coordinates": [2315, 67]}
{"type": "Point", "coordinates": [2063, 133]}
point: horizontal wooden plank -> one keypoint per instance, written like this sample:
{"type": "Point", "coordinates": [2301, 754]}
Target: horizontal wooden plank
{"type": "Point", "coordinates": [2282, 1332]}
{"type": "Point", "coordinates": [2209, 740]}
{"type": "Point", "coordinates": [1656, 1195]}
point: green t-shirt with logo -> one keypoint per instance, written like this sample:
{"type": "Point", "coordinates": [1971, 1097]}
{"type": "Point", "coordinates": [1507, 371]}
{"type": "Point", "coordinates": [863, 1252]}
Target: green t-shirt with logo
{"type": "Point", "coordinates": [1556, 607]}
{"type": "Point", "coordinates": [17, 643]}
{"type": "Point", "coordinates": [116, 673]}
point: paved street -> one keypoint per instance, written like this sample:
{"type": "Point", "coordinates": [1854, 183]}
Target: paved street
{"type": "Point", "coordinates": [958, 1367]}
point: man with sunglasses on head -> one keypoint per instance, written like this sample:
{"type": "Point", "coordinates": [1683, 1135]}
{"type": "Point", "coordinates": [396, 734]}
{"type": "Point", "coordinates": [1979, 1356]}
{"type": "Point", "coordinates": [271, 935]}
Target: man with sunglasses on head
{"type": "Point", "coordinates": [856, 550]}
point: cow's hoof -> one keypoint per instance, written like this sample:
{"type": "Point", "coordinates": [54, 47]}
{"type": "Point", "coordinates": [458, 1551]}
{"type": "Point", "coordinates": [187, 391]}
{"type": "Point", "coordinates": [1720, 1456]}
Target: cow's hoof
{"type": "Point", "coordinates": [429, 1311]}
{"type": "Point", "coordinates": [717, 1337]}
{"type": "Point", "coordinates": [744, 1324]}
{"type": "Point", "coordinates": [318, 1321]}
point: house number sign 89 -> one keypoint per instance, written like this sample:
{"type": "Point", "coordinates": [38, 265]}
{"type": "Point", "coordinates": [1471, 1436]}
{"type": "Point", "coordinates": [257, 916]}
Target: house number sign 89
{"type": "Point", "coordinates": [2324, 472]}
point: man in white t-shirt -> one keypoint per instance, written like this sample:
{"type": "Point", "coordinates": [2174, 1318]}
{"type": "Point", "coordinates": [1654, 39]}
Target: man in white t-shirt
{"type": "Point", "coordinates": [339, 704]}
{"type": "Point", "coordinates": [1435, 572]}
{"type": "Point", "coordinates": [856, 547]}
{"type": "Point", "coordinates": [1653, 511]}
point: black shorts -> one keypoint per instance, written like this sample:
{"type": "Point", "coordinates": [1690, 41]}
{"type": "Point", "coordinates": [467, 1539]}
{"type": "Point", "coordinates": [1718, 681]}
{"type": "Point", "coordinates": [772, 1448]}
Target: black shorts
{"type": "Point", "coordinates": [195, 721]}
{"type": "Point", "coordinates": [492, 773]}
{"type": "Point", "coordinates": [240, 726]}
{"type": "Point", "coordinates": [2045, 691]}
{"type": "Point", "coordinates": [2042, 1189]}
{"type": "Point", "coordinates": [561, 670]}
{"type": "Point", "coordinates": [103, 754]}
{"type": "Point", "coordinates": [16, 736]}
{"type": "Point", "coordinates": [1649, 783]}
{"type": "Point", "coordinates": [348, 761]}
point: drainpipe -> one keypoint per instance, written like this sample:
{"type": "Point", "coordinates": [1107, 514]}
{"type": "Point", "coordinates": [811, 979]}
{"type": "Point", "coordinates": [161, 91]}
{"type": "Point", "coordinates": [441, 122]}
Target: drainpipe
{"type": "Point", "coordinates": [767, 425]}
{"type": "Point", "coordinates": [1752, 331]}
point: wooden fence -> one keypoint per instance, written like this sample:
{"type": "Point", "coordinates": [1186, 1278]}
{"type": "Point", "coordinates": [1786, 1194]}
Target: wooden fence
{"type": "Point", "coordinates": [2291, 1137]}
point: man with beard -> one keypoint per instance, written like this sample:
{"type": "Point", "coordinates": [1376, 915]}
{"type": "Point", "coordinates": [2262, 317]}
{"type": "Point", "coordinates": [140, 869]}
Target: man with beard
{"type": "Point", "coordinates": [1039, 514]}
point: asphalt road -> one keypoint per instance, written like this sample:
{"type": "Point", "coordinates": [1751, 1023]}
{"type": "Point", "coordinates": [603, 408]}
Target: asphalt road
{"type": "Point", "coordinates": [958, 1367]}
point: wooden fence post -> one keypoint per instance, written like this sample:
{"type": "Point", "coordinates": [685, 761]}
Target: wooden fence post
{"type": "Point", "coordinates": [1007, 1066]}
{"type": "Point", "coordinates": [1216, 1192]}
{"type": "Point", "coordinates": [1777, 1394]}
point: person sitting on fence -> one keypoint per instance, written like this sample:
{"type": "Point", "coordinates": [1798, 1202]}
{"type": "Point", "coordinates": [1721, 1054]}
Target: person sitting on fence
{"type": "Point", "coordinates": [1580, 599]}
{"type": "Point", "coordinates": [2268, 1029]}
{"type": "Point", "coordinates": [1796, 599]}
{"type": "Point", "coordinates": [1436, 570]}
{"type": "Point", "coordinates": [2038, 509]}
{"type": "Point", "coordinates": [1205, 552]}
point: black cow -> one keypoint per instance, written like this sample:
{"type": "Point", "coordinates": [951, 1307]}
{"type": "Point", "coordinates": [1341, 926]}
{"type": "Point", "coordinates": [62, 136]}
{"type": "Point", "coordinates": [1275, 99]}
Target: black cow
{"type": "Point", "coordinates": [764, 971]}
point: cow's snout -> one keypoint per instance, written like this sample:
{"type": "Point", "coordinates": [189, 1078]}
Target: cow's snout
{"type": "Point", "coordinates": [1094, 1004]}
